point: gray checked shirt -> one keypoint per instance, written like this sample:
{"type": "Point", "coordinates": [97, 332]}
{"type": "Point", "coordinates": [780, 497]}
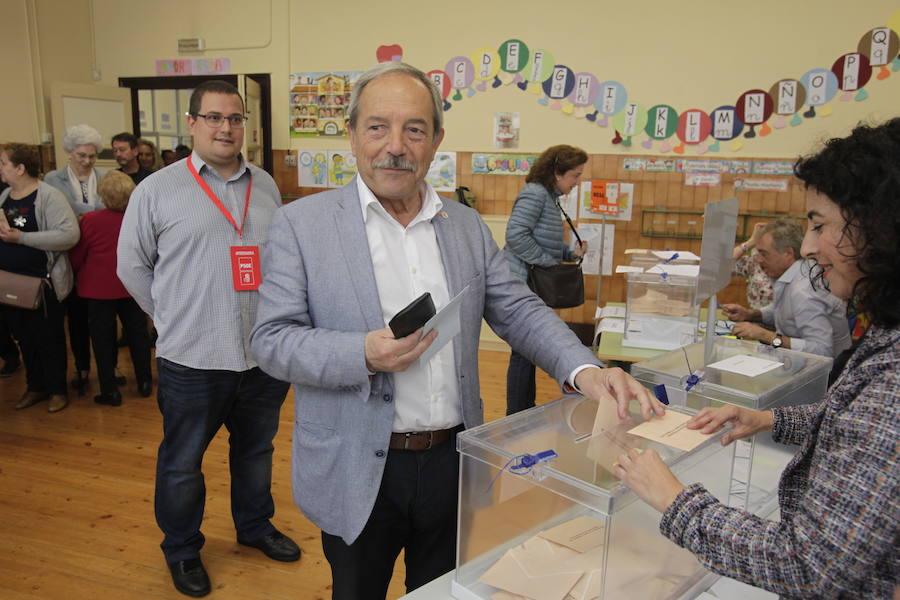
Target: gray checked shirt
{"type": "Point", "coordinates": [815, 320]}
{"type": "Point", "coordinates": [174, 257]}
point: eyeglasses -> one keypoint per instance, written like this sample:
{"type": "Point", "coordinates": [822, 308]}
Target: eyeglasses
{"type": "Point", "coordinates": [85, 157]}
{"type": "Point", "coordinates": [216, 120]}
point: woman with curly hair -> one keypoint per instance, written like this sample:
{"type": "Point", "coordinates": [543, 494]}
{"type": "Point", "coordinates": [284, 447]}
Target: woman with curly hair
{"type": "Point", "coordinates": [535, 236]}
{"type": "Point", "coordinates": [840, 518]}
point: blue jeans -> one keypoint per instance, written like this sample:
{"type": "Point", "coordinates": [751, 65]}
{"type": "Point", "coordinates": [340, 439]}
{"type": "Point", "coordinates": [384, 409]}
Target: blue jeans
{"type": "Point", "coordinates": [520, 384]}
{"type": "Point", "coordinates": [194, 404]}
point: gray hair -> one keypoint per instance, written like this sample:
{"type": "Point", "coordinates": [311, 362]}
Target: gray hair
{"type": "Point", "coordinates": [387, 68]}
{"type": "Point", "coordinates": [786, 233]}
{"type": "Point", "coordinates": [82, 135]}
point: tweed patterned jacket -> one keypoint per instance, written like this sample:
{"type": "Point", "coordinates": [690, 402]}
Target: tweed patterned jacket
{"type": "Point", "coordinates": [839, 534]}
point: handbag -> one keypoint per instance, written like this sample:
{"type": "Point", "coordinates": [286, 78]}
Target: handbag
{"type": "Point", "coordinates": [21, 291]}
{"type": "Point", "coordinates": [562, 285]}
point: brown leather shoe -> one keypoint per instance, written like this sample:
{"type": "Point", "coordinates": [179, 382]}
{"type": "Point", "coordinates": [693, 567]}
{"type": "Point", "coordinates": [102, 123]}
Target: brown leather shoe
{"type": "Point", "coordinates": [57, 403]}
{"type": "Point", "coordinates": [30, 399]}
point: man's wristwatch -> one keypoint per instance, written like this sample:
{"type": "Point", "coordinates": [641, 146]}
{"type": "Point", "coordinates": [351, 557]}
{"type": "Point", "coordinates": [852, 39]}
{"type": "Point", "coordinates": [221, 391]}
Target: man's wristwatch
{"type": "Point", "coordinates": [776, 343]}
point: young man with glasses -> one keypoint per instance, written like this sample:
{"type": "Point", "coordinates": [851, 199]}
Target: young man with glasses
{"type": "Point", "coordinates": [192, 234]}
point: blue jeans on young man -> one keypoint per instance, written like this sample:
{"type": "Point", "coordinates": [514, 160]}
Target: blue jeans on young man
{"type": "Point", "coordinates": [195, 403]}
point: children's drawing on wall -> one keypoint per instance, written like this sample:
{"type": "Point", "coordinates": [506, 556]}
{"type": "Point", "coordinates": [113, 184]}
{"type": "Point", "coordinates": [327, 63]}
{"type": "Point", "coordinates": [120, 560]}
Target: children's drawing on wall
{"type": "Point", "coordinates": [341, 167]}
{"type": "Point", "coordinates": [319, 103]}
{"type": "Point", "coordinates": [312, 168]}
{"type": "Point", "coordinates": [506, 130]}
{"type": "Point", "coordinates": [442, 172]}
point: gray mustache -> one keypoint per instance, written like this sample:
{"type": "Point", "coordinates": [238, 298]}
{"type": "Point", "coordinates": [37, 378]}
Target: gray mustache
{"type": "Point", "coordinates": [394, 162]}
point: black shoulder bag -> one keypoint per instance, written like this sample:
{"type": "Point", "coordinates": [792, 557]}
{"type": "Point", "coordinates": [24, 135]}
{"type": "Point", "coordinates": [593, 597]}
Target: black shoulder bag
{"type": "Point", "coordinates": [562, 285]}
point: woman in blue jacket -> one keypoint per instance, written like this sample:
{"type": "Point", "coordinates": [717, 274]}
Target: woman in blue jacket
{"type": "Point", "coordinates": [535, 236]}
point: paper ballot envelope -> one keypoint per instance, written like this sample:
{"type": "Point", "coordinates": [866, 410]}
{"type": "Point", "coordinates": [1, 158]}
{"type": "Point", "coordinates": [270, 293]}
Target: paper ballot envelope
{"type": "Point", "coordinates": [543, 570]}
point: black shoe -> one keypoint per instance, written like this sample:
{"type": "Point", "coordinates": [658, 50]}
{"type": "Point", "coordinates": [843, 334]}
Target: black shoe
{"type": "Point", "coordinates": [10, 367]}
{"type": "Point", "coordinates": [114, 399]}
{"type": "Point", "coordinates": [276, 546]}
{"type": "Point", "coordinates": [145, 388]}
{"type": "Point", "coordinates": [190, 577]}
{"type": "Point", "coordinates": [120, 380]}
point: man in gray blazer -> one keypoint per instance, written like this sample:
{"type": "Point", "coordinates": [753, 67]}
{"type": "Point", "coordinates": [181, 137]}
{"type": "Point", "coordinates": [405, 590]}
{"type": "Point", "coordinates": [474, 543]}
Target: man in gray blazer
{"type": "Point", "coordinates": [374, 462]}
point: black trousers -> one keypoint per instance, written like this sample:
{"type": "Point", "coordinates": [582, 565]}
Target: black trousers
{"type": "Point", "coordinates": [415, 511]}
{"type": "Point", "coordinates": [9, 352]}
{"type": "Point", "coordinates": [520, 384]}
{"type": "Point", "coordinates": [42, 339]}
{"type": "Point", "coordinates": [102, 326]}
{"type": "Point", "coordinates": [79, 335]}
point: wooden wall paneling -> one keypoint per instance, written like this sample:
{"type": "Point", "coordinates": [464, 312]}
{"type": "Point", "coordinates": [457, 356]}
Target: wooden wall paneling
{"type": "Point", "coordinates": [496, 194]}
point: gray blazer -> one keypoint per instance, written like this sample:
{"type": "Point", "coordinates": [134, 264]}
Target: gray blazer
{"type": "Point", "coordinates": [317, 302]}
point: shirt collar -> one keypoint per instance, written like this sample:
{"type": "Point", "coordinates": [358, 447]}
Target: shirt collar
{"type": "Point", "coordinates": [431, 202]}
{"type": "Point", "coordinates": [791, 273]}
{"type": "Point", "coordinates": [199, 164]}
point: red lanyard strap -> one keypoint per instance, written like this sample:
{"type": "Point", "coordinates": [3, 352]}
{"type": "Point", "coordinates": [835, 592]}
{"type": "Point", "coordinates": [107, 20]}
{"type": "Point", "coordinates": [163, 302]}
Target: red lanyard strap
{"type": "Point", "coordinates": [215, 200]}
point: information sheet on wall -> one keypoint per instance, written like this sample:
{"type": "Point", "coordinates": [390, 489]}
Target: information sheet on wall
{"type": "Point", "coordinates": [612, 199]}
{"type": "Point", "coordinates": [591, 233]}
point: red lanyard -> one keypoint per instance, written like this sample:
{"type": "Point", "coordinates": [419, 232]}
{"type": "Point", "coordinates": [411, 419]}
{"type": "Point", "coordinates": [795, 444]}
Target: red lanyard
{"type": "Point", "coordinates": [218, 203]}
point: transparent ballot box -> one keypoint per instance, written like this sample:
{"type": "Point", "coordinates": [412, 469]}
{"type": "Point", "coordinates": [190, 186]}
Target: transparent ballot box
{"type": "Point", "coordinates": [565, 526]}
{"type": "Point", "coordinates": [661, 312]}
{"type": "Point", "coordinates": [797, 378]}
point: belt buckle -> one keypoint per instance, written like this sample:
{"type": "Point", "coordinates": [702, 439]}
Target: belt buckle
{"type": "Point", "coordinates": [408, 436]}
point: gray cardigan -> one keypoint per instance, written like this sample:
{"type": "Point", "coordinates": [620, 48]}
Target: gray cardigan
{"type": "Point", "coordinates": [60, 180]}
{"type": "Point", "coordinates": [534, 233]}
{"type": "Point", "coordinates": [57, 232]}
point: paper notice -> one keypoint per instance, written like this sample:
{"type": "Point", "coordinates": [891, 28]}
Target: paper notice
{"type": "Point", "coordinates": [744, 364]}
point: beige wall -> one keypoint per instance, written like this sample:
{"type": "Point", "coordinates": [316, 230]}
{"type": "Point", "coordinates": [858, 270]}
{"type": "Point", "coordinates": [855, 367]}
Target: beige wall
{"type": "Point", "coordinates": [697, 54]}
{"type": "Point", "coordinates": [18, 109]}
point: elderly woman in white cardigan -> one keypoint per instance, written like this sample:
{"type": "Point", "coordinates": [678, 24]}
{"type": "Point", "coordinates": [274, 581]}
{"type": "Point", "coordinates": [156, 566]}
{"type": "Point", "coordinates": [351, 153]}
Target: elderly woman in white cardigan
{"type": "Point", "coordinates": [535, 236]}
{"type": "Point", "coordinates": [78, 183]}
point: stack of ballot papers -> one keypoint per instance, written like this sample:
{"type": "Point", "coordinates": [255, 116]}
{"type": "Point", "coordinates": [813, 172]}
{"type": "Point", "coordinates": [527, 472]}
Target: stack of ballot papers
{"type": "Point", "coordinates": [564, 562]}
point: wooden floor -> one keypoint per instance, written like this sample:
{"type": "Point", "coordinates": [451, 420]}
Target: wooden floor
{"type": "Point", "coordinates": [76, 502]}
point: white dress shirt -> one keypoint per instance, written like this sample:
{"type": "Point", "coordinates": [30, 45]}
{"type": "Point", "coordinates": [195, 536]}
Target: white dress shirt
{"type": "Point", "coordinates": [407, 264]}
{"type": "Point", "coordinates": [814, 319]}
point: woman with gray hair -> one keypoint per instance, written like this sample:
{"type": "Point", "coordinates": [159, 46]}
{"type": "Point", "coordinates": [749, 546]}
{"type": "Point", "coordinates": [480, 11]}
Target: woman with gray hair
{"type": "Point", "coordinates": [78, 179]}
{"type": "Point", "coordinates": [78, 183]}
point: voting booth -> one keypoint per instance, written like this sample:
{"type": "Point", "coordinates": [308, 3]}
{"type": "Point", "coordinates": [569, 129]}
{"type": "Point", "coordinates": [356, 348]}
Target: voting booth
{"type": "Point", "coordinates": [747, 374]}
{"type": "Point", "coordinates": [541, 514]}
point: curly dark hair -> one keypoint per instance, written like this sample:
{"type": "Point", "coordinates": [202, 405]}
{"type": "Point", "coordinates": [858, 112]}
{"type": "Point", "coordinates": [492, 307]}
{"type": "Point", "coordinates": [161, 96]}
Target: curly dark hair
{"type": "Point", "coordinates": [861, 174]}
{"type": "Point", "coordinates": [553, 161]}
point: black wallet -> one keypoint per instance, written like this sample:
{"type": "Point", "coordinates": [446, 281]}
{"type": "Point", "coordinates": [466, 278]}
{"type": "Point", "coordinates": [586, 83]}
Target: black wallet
{"type": "Point", "coordinates": [413, 316]}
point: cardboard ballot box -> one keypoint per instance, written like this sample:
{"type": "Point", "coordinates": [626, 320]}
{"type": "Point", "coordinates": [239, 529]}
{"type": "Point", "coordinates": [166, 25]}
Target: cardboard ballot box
{"type": "Point", "coordinates": [751, 375]}
{"type": "Point", "coordinates": [564, 527]}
